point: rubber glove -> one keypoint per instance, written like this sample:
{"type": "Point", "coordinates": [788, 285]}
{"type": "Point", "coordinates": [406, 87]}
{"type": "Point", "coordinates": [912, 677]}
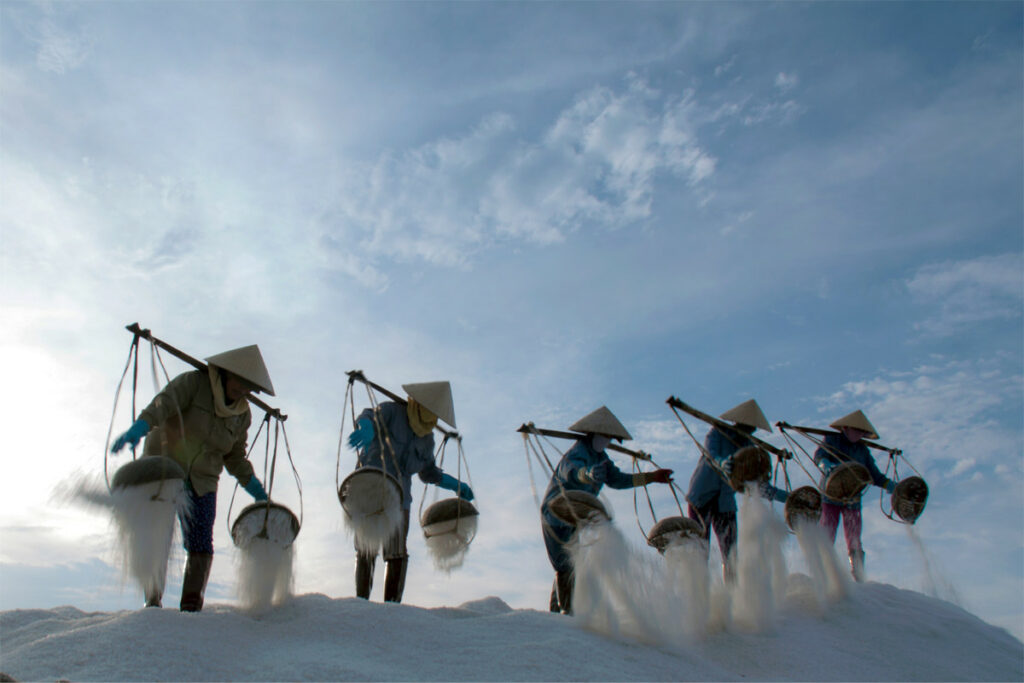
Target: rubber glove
{"type": "Point", "coordinates": [661, 476]}
{"type": "Point", "coordinates": [255, 489]}
{"type": "Point", "coordinates": [452, 484]}
{"type": "Point", "coordinates": [595, 474]}
{"type": "Point", "coordinates": [363, 435]}
{"type": "Point", "coordinates": [131, 438]}
{"type": "Point", "coordinates": [890, 485]}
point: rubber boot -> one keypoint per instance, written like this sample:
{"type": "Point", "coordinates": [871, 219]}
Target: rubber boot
{"type": "Point", "coordinates": [364, 574]}
{"type": "Point", "coordinates": [565, 582]}
{"type": "Point", "coordinates": [153, 599]}
{"type": "Point", "coordinates": [553, 600]}
{"type": "Point", "coordinates": [394, 579]}
{"type": "Point", "coordinates": [857, 565]}
{"type": "Point", "coordinates": [197, 571]}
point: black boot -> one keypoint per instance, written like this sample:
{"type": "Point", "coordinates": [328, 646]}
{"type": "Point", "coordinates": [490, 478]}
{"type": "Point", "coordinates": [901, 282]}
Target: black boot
{"type": "Point", "coordinates": [553, 601]}
{"type": "Point", "coordinates": [153, 598]}
{"type": "Point", "coordinates": [364, 574]}
{"type": "Point", "coordinates": [394, 579]}
{"type": "Point", "coordinates": [197, 571]}
{"type": "Point", "coordinates": [857, 565]}
{"type": "Point", "coordinates": [564, 583]}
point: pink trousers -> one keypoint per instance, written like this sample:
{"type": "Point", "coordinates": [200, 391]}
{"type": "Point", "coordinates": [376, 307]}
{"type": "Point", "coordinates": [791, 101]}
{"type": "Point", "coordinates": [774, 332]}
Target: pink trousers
{"type": "Point", "coordinates": [851, 524]}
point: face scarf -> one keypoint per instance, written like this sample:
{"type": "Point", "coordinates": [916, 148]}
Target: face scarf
{"type": "Point", "coordinates": [220, 406]}
{"type": "Point", "coordinates": [421, 420]}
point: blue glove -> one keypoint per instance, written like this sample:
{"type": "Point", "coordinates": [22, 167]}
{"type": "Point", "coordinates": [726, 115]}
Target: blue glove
{"type": "Point", "coordinates": [890, 485]}
{"type": "Point", "coordinates": [363, 435]}
{"type": "Point", "coordinates": [131, 438]}
{"type": "Point", "coordinates": [255, 489]}
{"type": "Point", "coordinates": [452, 484]}
{"type": "Point", "coordinates": [596, 474]}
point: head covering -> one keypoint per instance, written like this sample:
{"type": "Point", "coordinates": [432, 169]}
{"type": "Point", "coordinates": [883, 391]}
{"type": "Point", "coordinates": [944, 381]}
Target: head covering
{"type": "Point", "coordinates": [421, 420]}
{"type": "Point", "coordinates": [246, 363]}
{"type": "Point", "coordinates": [857, 420]}
{"type": "Point", "coordinates": [601, 421]}
{"type": "Point", "coordinates": [435, 397]}
{"type": "Point", "coordinates": [221, 407]}
{"type": "Point", "coordinates": [747, 413]}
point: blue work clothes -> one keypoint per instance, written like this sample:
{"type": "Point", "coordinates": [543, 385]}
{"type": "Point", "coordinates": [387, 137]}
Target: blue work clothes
{"type": "Point", "coordinates": [837, 449]}
{"type": "Point", "coordinates": [412, 454]}
{"type": "Point", "coordinates": [580, 457]}
{"type": "Point", "coordinates": [709, 489]}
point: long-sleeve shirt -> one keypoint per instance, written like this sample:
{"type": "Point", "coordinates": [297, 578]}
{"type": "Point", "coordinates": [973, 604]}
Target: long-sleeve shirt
{"type": "Point", "coordinates": [412, 454]}
{"type": "Point", "coordinates": [580, 457]}
{"type": "Point", "coordinates": [200, 441]}
{"type": "Point", "coordinates": [707, 485]}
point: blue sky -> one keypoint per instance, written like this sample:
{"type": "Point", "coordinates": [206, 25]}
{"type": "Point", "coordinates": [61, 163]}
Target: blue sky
{"type": "Point", "coordinates": [555, 206]}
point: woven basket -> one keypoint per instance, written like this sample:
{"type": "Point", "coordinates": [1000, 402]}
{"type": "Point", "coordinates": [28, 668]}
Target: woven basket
{"type": "Point", "coordinates": [578, 507]}
{"type": "Point", "coordinates": [749, 463]}
{"type": "Point", "coordinates": [265, 520]}
{"type": "Point", "coordinates": [147, 469]}
{"type": "Point", "coordinates": [846, 481]}
{"type": "Point", "coordinates": [673, 530]}
{"type": "Point", "coordinates": [445, 516]}
{"type": "Point", "coordinates": [803, 506]}
{"type": "Point", "coordinates": [909, 498]}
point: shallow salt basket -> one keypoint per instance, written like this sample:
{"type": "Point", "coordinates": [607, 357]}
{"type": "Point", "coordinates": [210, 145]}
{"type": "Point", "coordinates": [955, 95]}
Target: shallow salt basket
{"type": "Point", "coordinates": [266, 521]}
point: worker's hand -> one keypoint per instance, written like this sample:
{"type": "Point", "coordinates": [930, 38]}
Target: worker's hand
{"type": "Point", "coordinates": [726, 466]}
{"type": "Point", "coordinates": [461, 488]}
{"type": "Point", "coordinates": [255, 489]}
{"type": "Point", "coordinates": [131, 438]}
{"type": "Point", "coordinates": [362, 436]}
{"type": "Point", "coordinates": [596, 474]}
{"type": "Point", "coordinates": [890, 485]}
{"type": "Point", "coordinates": [660, 476]}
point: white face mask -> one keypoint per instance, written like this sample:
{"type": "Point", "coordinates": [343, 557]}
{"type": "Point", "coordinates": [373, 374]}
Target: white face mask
{"type": "Point", "coordinates": [600, 442]}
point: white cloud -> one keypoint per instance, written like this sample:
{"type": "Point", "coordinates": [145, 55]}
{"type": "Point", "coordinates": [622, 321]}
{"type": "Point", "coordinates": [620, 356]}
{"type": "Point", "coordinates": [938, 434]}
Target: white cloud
{"type": "Point", "coordinates": [784, 81]}
{"type": "Point", "coordinates": [969, 292]}
{"type": "Point", "coordinates": [594, 167]}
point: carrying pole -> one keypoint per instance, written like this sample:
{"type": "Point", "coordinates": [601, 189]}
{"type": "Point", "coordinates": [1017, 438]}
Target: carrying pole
{"type": "Point", "coordinates": [780, 453]}
{"type": "Point", "coordinates": [198, 365]}
{"type": "Point", "coordinates": [531, 429]}
{"type": "Point", "coordinates": [826, 432]}
{"type": "Point", "coordinates": [354, 375]}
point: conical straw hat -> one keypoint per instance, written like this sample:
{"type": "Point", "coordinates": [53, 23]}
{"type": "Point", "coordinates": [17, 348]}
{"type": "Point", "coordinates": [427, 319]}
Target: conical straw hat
{"type": "Point", "coordinates": [747, 413]}
{"type": "Point", "coordinates": [857, 420]}
{"type": "Point", "coordinates": [435, 397]}
{"type": "Point", "coordinates": [601, 421]}
{"type": "Point", "coordinates": [245, 362]}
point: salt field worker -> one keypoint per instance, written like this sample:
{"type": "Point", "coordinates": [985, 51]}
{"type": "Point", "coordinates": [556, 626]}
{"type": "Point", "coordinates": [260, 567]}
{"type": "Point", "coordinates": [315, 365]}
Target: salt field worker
{"type": "Point", "coordinates": [846, 445]}
{"type": "Point", "coordinates": [408, 449]}
{"type": "Point", "coordinates": [585, 467]}
{"type": "Point", "coordinates": [711, 500]}
{"type": "Point", "coordinates": [201, 419]}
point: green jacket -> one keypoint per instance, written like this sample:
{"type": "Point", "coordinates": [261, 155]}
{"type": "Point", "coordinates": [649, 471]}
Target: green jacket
{"type": "Point", "coordinates": [202, 443]}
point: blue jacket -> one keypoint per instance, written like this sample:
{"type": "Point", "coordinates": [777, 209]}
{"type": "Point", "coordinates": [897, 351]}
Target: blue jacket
{"type": "Point", "coordinates": [413, 454]}
{"type": "Point", "coordinates": [707, 485]}
{"type": "Point", "coordinates": [857, 452]}
{"type": "Point", "coordinates": [582, 456]}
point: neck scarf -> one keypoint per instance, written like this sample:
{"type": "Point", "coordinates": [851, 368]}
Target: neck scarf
{"type": "Point", "coordinates": [421, 420]}
{"type": "Point", "coordinates": [220, 405]}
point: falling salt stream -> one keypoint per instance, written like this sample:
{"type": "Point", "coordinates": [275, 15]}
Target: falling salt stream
{"type": "Point", "coordinates": [144, 518]}
{"type": "Point", "coordinates": [622, 590]}
{"type": "Point", "coordinates": [935, 585]}
{"type": "Point", "coordinates": [264, 562]}
{"type": "Point", "coordinates": [448, 550]}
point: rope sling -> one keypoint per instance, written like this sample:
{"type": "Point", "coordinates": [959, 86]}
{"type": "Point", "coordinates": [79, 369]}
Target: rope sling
{"type": "Point", "coordinates": [155, 358]}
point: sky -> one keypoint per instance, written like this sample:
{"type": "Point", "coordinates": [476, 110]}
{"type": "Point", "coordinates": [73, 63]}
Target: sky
{"type": "Point", "coordinates": [553, 206]}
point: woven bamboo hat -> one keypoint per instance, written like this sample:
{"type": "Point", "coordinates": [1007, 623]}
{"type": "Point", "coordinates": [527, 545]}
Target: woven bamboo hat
{"type": "Point", "coordinates": [247, 363]}
{"type": "Point", "coordinates": [858, 420]}
{"type": "Point", "coordinates": [435, 397]}
{"type": "Point", "coordinates": [748, 413]}
{"type": "Point", "coordinates": [601, 421]}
